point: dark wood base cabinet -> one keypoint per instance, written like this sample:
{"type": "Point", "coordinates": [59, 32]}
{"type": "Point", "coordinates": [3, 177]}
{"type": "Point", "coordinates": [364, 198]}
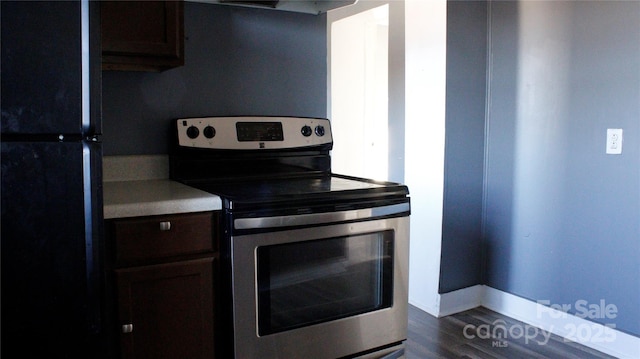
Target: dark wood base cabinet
{"type": "Point", "coordinates": [161, 271]}
{"type": "Point", "coordinates": [166, 311]}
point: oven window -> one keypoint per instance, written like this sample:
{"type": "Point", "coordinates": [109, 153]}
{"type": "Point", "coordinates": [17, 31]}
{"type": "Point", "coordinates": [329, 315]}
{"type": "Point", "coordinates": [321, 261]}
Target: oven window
{"type": "Point", "coordinates": [311, 282]}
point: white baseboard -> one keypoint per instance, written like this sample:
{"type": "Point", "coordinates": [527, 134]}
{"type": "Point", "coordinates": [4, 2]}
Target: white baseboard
{"type": "Point", "coordinates": [590, 334]}
{"type": "Point", "coordinates": [460, 300]}
{"type": "Point", "coordinates": [433, 309]}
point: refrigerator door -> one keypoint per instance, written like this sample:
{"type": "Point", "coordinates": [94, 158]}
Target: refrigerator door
{"type": "Point", "coordinates": [50, 243]}
{"type": "Point", "coordinates": [46, 65]}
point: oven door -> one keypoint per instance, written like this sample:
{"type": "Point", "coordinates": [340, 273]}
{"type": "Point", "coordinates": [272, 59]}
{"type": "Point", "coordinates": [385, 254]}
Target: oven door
{"type": "Point", "coordinates": [324, 291]}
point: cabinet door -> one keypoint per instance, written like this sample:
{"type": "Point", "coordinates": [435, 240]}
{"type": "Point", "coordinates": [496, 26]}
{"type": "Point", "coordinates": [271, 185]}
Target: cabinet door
{"type": "Point", "coordinates": [166, 310]}
{"type": "Point", "coordinates": [142, 35]}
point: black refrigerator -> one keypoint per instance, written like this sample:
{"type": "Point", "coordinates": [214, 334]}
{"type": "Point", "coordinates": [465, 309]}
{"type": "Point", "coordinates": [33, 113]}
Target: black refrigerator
{"type": "Point", "coordinates": [51, 239]}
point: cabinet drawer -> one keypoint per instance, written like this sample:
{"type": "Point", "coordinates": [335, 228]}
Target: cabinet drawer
{"type": "Point", "coordinates": [155, 237]}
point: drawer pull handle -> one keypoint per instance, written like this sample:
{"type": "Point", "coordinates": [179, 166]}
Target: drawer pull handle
{"type": "Point", "coordinates": [165, 226]}
{"type": "Point", "coordinates": [127, 328]}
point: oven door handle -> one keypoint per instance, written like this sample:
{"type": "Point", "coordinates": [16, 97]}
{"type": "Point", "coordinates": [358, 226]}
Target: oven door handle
{"type": "Point", "coordinates": [320, 218]}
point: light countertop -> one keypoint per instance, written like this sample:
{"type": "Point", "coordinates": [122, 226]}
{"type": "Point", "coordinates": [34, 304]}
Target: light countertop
{"type": "Point", "coordinates": [155, 197]}
{"type": "Point", "coordinates": [149, 193]}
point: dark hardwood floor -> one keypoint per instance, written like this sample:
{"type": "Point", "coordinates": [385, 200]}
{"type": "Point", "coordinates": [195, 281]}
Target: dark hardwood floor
{"type": "Point", "coordinates": [446, 337]}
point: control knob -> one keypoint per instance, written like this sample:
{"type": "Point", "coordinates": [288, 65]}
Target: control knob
{"type": "Point", "coordinates": [193, 132]}
{"type": "Point", "coordinates": [320, 130]}
{"type": "Point", "coordinates": [209, 132]}
{"type": "Point", "coordinates": [306, 131]}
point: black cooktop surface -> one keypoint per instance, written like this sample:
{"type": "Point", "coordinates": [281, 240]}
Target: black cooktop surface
{"type": "Point", "coordinates": [299, 188]}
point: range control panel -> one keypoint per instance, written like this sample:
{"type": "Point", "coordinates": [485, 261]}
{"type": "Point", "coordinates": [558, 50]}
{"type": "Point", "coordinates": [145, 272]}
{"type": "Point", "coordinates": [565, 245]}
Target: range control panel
{"type": "Point", "coordinates": [252, 132]}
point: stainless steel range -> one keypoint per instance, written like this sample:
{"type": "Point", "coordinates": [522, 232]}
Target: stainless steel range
{"type": "Point", "coordinates": [313, 264]}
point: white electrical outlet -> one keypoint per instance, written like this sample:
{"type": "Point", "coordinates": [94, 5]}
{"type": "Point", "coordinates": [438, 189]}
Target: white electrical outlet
{"type": "Point", "coordinates": [614, 141]}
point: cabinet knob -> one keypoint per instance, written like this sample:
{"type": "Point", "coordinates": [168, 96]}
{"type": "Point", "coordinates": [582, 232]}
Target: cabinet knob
{"type": "Point", "coordinates": [127, 328]}
{"type": "Point", "coordinates": [165, 226]}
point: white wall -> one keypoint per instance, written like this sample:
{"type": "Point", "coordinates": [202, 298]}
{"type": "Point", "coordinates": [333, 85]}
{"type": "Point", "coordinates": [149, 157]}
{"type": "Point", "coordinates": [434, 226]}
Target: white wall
{"type": "Point", "coordinates": [395, 79]}
{"type": "Point", "coordinates": [417, 68]}
{"type": "Point", "coordinates": [359, 90]}
{"type": "Point", "coordinates": [425, 67]}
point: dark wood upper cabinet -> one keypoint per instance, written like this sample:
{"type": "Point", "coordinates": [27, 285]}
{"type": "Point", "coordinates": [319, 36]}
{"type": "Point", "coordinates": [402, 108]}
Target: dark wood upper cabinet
{"type": "Point", "coordinates": [142, 35]}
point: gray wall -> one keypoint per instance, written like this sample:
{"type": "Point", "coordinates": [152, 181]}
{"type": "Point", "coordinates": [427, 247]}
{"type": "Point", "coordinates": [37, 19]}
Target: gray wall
{"type": "Point", "coordinates": [559, 220]}
{"type": "Point", "coordinates": [238, 61]}
{"type": "Point", "coordinates": [461, 264]}
{"type": "Point", "coordinates": [562, 218]}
